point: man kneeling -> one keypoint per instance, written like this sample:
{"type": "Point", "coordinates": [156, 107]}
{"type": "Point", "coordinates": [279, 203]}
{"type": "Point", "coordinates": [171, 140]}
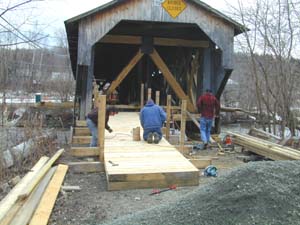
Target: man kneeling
{"type": "Point", "coordinates": [152, 118]}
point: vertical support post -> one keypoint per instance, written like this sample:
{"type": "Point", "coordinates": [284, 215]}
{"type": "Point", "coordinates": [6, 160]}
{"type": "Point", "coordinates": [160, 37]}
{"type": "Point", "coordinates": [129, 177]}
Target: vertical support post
{"type": "Point", "coordinates": [142, 95]}
{"type": "Point", "coordinates": [182, 125]}
{"type": "Point", "coordinates": [157, 94]}
{"type": "Point", "coordinates": [169, 98]}
{"type": "Point", "coordinates": [149, 93]}
{"type": "Point", "coordinates": [101, 125]}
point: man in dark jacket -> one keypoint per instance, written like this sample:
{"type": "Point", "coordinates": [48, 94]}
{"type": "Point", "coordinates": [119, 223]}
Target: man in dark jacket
{"type": "Point", "coordinates": [209, 107]}
{"type": "Point", "coordinates": [152, 118]}
{"type": "Point", "coordinates": [92, 123]}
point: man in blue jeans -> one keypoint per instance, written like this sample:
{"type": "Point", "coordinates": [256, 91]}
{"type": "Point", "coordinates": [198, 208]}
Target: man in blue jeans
{"type": "Point", "coordinates": [209, 107]}
{"type": "Point", "coordinates": [92, 123]}
{"type": "Point", "coordinates": [152, 118]}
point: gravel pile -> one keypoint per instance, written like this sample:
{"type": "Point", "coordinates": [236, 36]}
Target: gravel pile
{"type": "Point", "coordinates": [255, 193]}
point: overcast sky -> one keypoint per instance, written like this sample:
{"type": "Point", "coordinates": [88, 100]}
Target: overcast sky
{"type": "Point", "coordinates": [60, 10]}
{"type": "Point", "coordinates": [51, 14]}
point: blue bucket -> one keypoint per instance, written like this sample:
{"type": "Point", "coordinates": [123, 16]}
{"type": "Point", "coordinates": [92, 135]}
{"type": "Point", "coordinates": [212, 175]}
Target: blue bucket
{"type": "Point", "coordinates": [38, 97]}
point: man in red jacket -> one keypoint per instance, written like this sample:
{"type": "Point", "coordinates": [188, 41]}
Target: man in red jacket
{"type": "Point", "coordinates": [209, 107]}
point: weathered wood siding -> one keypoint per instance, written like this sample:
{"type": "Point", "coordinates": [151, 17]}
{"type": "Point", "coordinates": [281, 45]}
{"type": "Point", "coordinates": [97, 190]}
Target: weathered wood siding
{"type": "Point", "coordinates": [93, 28]}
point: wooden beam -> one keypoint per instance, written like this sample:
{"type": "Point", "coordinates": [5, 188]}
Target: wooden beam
{"type": "Point", "coordinates": [10, 199]}
{"type": "Point", "coordinates": [43, 211]}
{"type": "Point", "coordinates": [170, 79]}
{"type": "Point", "coordinates": [25, 213]}
{"type": "Point", "coordinates": [86, 167]}
{"type": "Point", "coordinates": [137, 40]}
{"type": "Point", "coordinates": [142, 95]}
{"type": "Point", "coordinates": [26, 192]}
{"type": "Point", "coordinates": [125, 71]}
{"type": "Point", "coordinates": [81, 131]}
{"type": "Point", "coordinates": [81, 140]}
{"type": "Point", "coordinates": [157, 94]}
{"type": "Point", "coordinates": [149, 93]}
{"type": "Point", "coordinates": [80, 123]}
{"type": "Point", "coordinates": [84, 151]}
{"type": "Point", "coordinates": [101, 125]}
{"type": "Point", "coordinates": [182, 125]}
{"type": "Point", "coordinates": [169, 101]}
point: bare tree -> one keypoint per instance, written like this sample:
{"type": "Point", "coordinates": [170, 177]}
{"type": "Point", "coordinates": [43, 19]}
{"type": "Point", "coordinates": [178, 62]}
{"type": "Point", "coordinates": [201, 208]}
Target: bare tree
{"type": "Point", "coordinates": [271, 44]}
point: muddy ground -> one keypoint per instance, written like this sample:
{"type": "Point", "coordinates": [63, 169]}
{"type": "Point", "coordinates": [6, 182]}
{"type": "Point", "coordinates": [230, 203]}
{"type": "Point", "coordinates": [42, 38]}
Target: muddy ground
{"type": "Point", "coordinates": [94, 204]}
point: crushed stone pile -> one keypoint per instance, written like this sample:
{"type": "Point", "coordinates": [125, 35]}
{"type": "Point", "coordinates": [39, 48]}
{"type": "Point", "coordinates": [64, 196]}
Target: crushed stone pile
{"type": "Point", "coordinates": [255, 193]}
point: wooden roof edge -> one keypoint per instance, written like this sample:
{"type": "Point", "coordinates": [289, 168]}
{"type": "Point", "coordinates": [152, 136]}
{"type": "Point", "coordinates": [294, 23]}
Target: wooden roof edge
{"type": "Point", "coordinates": [238, 28]}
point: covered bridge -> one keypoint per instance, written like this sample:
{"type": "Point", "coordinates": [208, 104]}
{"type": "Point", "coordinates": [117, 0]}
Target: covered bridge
{"type": "Point", "coordinates": [178, 47]}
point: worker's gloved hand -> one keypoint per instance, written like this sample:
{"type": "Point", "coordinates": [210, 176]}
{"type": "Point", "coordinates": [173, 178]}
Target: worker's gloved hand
{"type": "Point", "coordinates": [110, 130]}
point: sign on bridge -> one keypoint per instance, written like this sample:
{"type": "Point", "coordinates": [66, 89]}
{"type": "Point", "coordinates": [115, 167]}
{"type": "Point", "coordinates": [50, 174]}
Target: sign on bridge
{"type": "Point", "coordinates": [174, 7]}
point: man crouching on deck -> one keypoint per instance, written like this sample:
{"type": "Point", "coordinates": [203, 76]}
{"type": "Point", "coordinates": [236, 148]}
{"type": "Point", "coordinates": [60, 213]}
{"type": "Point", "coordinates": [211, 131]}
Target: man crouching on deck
{"type": "Point", "coordinates": [152, 118]}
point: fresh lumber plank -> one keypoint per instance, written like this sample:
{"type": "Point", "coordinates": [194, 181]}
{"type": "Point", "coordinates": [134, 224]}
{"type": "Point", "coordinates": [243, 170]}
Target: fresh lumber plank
{"type": "Point", "coordinates": [201, 163]}
{"type": "Point", "coordinates": [81, 139]}
{"type": "Point", "coordinates": [44, 209]}
{"type": "Point", "coordinates": [26, 192]}
{"type": "Point", "coordinates": [265, 148]}
{"type": "Point", "coordinates": [81, 131]}
{"type": "Point", "coordinates": [153, 176]}
{"type": "Point", "coordinates": [115, 186]}
{"type": "Point", "coordinates": [81, 123]}
{"type": "Point", "coordinates": [10, 199]}
{"type": "Point", "coordinates": [86, 167]}
{"type": "Point", "coordinates": [101, 125]}
{"type": "Point", "coordinates": [84, 151]}
{"type": "Point", "coordinates": [25, 213]}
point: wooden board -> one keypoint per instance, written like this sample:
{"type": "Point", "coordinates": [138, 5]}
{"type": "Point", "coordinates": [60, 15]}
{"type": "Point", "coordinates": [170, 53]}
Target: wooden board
{"type": "Point", "coordinates": [81, 131]}
{"type": "Point", "coordinates": [10, 199]}
{"type": "Point", "coordinates": [24, 214]}
{"type": "Point", "coordinates": [86, 167]}
{"type": "Point", "coordinates": [136, 164]}
{"type": "Point", "coordinates": [84, 151]}
{"type": "Point", "coordinates": [80, 123]}
{"type": "Point", "coordinates": [43, 211]}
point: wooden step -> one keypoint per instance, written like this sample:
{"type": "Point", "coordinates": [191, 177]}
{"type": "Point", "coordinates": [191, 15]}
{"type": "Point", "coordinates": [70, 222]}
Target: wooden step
{"type": "Point", "coordinates": [82, 131]}
{"type": "Point", "coordinates": [81, 139]}
{"type": "Point", "coordinates": [81, 123]}
{"type": "Point", "coordinates": [84, 151]}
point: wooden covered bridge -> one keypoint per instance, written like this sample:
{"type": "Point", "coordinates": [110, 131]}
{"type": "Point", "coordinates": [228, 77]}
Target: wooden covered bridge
{"type": "Point", "coordinates": [175, 48]}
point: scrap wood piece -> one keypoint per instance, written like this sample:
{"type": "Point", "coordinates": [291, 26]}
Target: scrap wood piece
{"type": "Point", "coordinates": [70, 188]}
{"type": "Point", "coordinates": [10, 199]}
{"type": "Point", "coordinates": [28, 207]}
{"type": "Point", "coordinates": [44, 209]}
{"type": "Point", "coordinates": [26, 192]}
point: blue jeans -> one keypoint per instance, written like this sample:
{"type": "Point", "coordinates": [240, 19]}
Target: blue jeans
{"type": "Point", "coordinates": [152, 130]}
{"type": "Point", "coordinates": [205, 128]}
{"type": "Point", "coordinates": [94, 131]}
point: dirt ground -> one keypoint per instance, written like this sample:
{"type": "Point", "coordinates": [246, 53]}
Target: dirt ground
{"type": "Point", "coordinates": [94, 204]}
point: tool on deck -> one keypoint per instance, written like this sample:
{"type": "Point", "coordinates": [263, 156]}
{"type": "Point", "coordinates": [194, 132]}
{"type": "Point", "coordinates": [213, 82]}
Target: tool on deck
{"type": "Point", "coordinates": [112, 163]}
{"type": "Point", "coordinates": [157, 191]}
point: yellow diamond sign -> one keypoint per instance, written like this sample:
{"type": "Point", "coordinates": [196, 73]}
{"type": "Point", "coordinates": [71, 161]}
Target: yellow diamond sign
{"type": "Point", "coordinates": [174, 7]}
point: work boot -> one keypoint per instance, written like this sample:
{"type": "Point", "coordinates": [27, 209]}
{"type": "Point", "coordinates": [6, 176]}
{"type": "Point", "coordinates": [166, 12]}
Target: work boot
{"type": "Point", "coordinates": [150, 138]}
{"type": "Point", "coordinates": [156, 137]}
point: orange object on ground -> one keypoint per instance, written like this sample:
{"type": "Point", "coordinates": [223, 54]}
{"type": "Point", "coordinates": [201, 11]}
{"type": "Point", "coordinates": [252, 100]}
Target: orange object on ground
{"type": "Point", "coordinates": [228, 140]}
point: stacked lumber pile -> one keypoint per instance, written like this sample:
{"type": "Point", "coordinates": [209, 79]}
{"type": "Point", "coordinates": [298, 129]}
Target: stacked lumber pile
{"type": "Point", "coordinates": [32, 199]}
{"type": "Point", "coordinates": [265, 148]}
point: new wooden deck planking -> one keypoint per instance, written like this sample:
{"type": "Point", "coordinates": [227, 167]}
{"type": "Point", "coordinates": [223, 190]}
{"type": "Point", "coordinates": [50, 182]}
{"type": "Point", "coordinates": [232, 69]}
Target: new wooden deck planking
{"type": "Point", "coordinates": [136, 164]}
